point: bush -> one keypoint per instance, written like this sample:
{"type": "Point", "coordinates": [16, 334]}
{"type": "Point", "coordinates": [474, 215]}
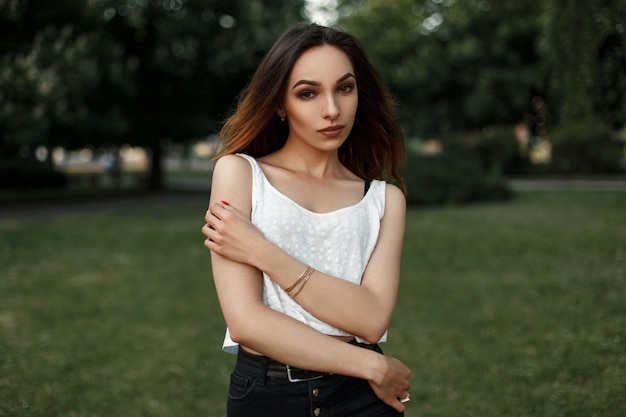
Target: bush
{"type": "Point", "coordinates": [493, 149]}
{"type": "Point", "coordinates": [29, 173]}
{"type": "Point", "coordinates": [447, 179]}
{"type": "Point", "coordinates": [586, 147]}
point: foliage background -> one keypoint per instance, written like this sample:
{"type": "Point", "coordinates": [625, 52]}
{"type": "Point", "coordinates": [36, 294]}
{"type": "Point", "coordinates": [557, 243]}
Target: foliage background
{"type": "Point", "coordinates": [103, 73]}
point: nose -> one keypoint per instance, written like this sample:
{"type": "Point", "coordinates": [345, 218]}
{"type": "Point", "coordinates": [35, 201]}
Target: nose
{"type": "Point", "coordinates": [331, 108]}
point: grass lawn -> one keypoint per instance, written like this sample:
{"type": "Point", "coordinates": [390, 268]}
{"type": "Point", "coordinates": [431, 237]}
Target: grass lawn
{"type": "Point", "coordinates": [506, 309]}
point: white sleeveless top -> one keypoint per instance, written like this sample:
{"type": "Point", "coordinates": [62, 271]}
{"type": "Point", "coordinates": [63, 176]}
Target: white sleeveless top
{"type": "Point", "coordinates": [338, 243]}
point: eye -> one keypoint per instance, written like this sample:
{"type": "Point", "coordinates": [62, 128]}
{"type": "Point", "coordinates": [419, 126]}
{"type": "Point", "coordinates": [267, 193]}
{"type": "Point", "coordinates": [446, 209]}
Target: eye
{"type": "Point", "coordinates": [306, 94]}
{"type": "Point", "coordinates": [346, 88]}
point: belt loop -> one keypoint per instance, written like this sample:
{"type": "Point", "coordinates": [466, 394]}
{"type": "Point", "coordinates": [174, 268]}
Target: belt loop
{"type": "Point", "coordinates": [263, 371]}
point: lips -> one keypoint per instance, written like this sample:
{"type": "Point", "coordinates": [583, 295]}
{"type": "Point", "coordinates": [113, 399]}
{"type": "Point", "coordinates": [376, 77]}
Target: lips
{"type": "Point", "coordinates": [332, 131]}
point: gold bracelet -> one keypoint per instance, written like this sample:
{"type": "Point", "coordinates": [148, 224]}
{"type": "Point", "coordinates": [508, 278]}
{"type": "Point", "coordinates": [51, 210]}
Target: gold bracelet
{"type": "Point", "coordinates": [307, 272]}
{"type": "Point", "coordinates": [303, 284]}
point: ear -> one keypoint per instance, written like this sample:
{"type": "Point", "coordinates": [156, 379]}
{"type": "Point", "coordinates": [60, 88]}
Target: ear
{"type": "Point", "coordinates": [281, 113]}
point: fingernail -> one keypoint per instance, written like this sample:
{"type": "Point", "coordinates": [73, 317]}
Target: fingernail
{"type": "Point", "coordinates": [225, 203]}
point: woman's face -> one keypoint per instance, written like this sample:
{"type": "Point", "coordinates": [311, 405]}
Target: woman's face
{"type": "Point", "coordinates": [321, 98]}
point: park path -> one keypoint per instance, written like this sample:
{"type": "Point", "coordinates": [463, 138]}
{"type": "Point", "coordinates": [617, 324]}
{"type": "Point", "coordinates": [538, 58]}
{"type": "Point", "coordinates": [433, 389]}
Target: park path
{"type": "Point", "coordinates": [566, 185]}
{"type": "Point", "coordinates": [198, 193]}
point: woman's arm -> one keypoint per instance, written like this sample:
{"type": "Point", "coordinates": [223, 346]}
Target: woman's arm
{"type": "Point", "coordinates": [254, 325]}
{"type": "Point", "coordinates": [364, 310]}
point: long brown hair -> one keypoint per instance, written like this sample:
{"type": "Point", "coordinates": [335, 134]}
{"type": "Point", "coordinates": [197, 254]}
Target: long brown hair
{"type": "Point", "coordinates": [375, 147]}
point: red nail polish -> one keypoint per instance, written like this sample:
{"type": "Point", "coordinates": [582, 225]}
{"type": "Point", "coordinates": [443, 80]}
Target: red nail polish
{"type": "Point", "coordinates": [225, 203]}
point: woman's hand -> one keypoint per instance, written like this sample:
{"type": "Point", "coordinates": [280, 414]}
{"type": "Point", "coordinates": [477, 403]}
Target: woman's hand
{"type": "Point", "coordinates": [231, 235]}
{"type": "Point", "coordinates": [392, 385]}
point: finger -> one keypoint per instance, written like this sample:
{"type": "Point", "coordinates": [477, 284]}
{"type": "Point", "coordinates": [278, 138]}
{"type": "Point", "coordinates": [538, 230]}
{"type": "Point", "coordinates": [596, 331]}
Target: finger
{"type": "Point", "coordinates": [226, 206]}
{"type": "Point", "coordinates": [399, 407]}
{"type": "Point", "coordinates": [211, 244]}
{"type": "Point", "coordinates": [222, 204]}
{"type": "Point", "coordinates": [394, 402]}
{"type": "Point", "coordinates": [212, 233]}
{"type": "Point", "coordinates": [211, 214]}
{"type": "Point", "coordinates": [210, 223]}
{"type": "Point", "coordinates": [206, 230]}
{"type": "Point", "coordinates": [213, 217]}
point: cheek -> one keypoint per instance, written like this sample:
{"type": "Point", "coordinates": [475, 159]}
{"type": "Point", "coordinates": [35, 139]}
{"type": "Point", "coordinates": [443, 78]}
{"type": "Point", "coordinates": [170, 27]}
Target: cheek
{"type": "Point", "coordinates": [299, 114]}
{"type": "Point", "coordinates": [351, 106]}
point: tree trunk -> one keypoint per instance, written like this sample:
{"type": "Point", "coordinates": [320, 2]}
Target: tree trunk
{"type": "Point", "coordinates": [155, 180]}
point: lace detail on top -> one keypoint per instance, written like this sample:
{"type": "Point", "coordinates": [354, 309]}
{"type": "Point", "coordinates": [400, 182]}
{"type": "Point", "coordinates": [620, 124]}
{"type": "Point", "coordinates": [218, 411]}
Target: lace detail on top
{"type": "Point", "coordinates": [337, 243]}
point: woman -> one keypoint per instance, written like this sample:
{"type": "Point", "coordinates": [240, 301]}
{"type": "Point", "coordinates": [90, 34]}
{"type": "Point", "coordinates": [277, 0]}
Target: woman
{"type": "Point", "coordinates": [306, 236]}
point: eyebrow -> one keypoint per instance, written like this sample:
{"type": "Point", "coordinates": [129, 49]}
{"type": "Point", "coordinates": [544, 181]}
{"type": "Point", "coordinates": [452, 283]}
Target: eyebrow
{"type": "Point", "coordinates": [317, 84]}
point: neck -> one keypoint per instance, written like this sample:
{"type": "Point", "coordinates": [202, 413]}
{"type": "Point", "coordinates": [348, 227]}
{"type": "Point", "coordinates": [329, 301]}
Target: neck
{"type": "Point", "coordinates": [311, 162]}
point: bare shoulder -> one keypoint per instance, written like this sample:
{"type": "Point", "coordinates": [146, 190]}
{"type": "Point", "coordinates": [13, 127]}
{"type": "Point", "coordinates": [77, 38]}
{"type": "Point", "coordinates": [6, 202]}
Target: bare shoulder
{"type": "Point", "coordinates": [232, 170]}
{"type": "Point", "coordinates": [394, 219]}
{"type": "Point", "coordinates": [231, 164]}
{"type": "Point", "coordinates": [232, 182]}
{"type": "Point", "coordinates": [394, 197]}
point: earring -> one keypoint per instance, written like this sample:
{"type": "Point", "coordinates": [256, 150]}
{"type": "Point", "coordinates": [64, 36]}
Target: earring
{"type": "Point", "coordinates": [282, 119]}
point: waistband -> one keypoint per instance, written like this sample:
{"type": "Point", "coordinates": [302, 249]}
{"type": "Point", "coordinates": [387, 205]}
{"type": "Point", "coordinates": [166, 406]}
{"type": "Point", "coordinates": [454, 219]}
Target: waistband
{"type": "Point", "coordinates": [264, 366]}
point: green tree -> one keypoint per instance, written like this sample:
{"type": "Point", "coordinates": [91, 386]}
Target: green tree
{"type": "Point", "coordinates": [584, 54]}
{"type": "Point", "coordinates": [45, 71]}
{"type": "Point", "coordinates": [108, 72]}
{"type": "Point", "coordinates": [464, 64]}
{"type": "Point", "coordinates": [186, 62]}
{"type": "Point", "coordinates": [453, 65]}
